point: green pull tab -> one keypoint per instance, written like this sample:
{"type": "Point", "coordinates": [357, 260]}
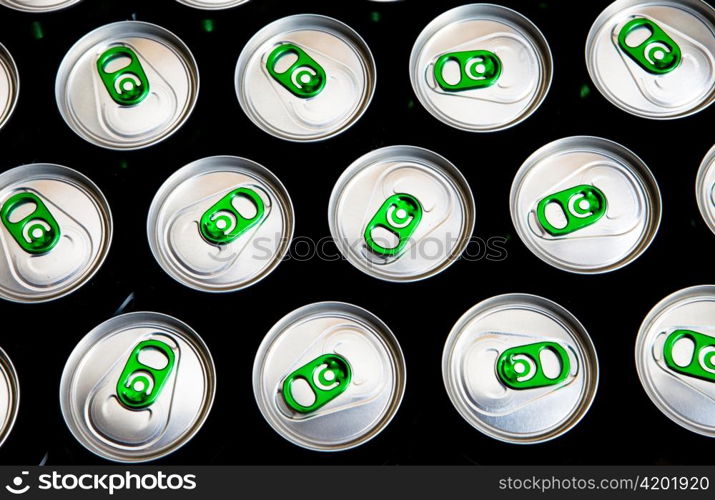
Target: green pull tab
{"type": "Point", "coordinates": [478, 69]}
{"type": "Point", "coordinates": [139, 384]}
{"type": "Point", "coordinates": [304, 78]}
{"type": "Point", "coordinates": [582, 205]}
{"type": "Point", "coordinates": [702, 363]}
{"type": "Point", "coordinates": [400, 214]}
{"type": "Point", "coordinates": [520, 367]}
{"type": "Point", "coordinates": [657, 54]}
{"type": "Point", "coordinates": [127, 86]}
{"type": "Point", "coordinates": [38, 232]}
{"type": "Point", "coordinates": [221, 224]}
{"type": "Point", "coordinates": [328, 376]}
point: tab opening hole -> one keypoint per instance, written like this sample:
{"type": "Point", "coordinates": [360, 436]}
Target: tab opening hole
{"type": "Point", "coordinates": [153, 358]}
{"type": "Point", "coordinates": [285, 61]}
{"type": "Point", "coordinates": [555, 215]}
{"type": "Point", "coordinates": [385, 238]}
{"type": "Point", "coordinates": [244, 206]}
{"type": "Point", "coordinates": [452, 72]}
{"type": "Point", "coordinates": [117, 63]}
{"type": "Point", "coordinates": [302, 392]}
{"type": "Point", "coordinates": [638, 35]}
{"type": "Point", "coordinates": [21, 210]}
{"type": "Point", "coordinates": [550, 363]}
{"type": "Point", "coordinates": [683, 350]}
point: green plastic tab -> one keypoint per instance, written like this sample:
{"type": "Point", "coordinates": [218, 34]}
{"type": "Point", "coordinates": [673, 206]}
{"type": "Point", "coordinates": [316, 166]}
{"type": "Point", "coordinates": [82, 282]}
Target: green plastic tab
{"type": "Point", "coordinates": [582, 205]}
{"type": "Point", "coordinates": [702, 364]}
{"type": "Point", "coordinates": [520, 367]}
{"type": "Point", "coordinates": [478, 69]}
{"type": "Point", "coordinates": [127, 86]}
{"type": "Point", "coordinates": [328, 376]}
{"type": "Point", "coordinates": [221, 224]}
{"type": "Point", "coordinates": [139, 385]}
{"type": "Point", "coordinates": [36, 233]}
{"type": "Point", "coordinates": [304, 78]}
{"type": "Point", "coordinates": [400, 214]}
{"type": "Point", "coordinates": [657, 54]}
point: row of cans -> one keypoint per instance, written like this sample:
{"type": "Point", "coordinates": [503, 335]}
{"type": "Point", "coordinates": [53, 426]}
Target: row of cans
{"type": "Point", "coordinates": [330, 376]}
{"type": "Point", "coordinates": [400, 213]}
{"type": "Point", "coordinates": [478, 67]}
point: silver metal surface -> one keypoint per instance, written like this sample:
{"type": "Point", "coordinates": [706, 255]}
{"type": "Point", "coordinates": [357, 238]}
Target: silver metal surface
{"type": "Point", "coordinates": [373, 395]}
{"type": "Point", "coordinates": [9, 85]}
{"type": "Point", "coordinates": [212, 4]}
{"type": "Point", "coordinates": [88, 108]}
{"type": "Point", "coordinates": [350, 85]}
{"type": "Point", "coordinates": [685, 90]}
{"type": "Point", "coordinates": [688, 401]}
{"type": "Point", "coordinates": [522, 49]}
{"type": "Point", "coordinates": [705, 189]}
{"type": "Point", "coordinates": [85, 223]}
{"type": "Point", "coordinates": [38, 5]}
{"type": "Point", "coordinates": [102, 423]}
{"type": "Point", "coordinates": [633, 209]}
{"type": "Point", "coordinates": [448, 211]}
{"type": "Point", "coordinates": [174, 218]}
{"type": "Point", "coordinates": [9, 396]}
{"type": "Point", "coordinates": [521, 416]}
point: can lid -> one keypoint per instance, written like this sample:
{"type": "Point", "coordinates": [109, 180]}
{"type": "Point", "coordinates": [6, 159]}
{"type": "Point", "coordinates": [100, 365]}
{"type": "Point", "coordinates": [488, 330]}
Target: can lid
{"type": "Point", "coordinates": [520, 368]}
{"type": "Point", "coordinates": [38, 5]}
{"type": "Point", "coordinates": [213, 4]}
{"type": "Point", "coordinates": [329, 376]}
{"type": "Point", "coordinates": [137, 387]}
{"type": "Point", "coordinates": [9, 396]}
{"type": "Point", "coordinates": [9, 85]}
{"type": "Point", "coordinates": [705, 189]}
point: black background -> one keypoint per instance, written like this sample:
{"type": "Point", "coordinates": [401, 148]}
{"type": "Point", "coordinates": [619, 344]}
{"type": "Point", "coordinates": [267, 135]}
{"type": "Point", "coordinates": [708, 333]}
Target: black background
{"type": "Point", "coordinates": [622, 427]}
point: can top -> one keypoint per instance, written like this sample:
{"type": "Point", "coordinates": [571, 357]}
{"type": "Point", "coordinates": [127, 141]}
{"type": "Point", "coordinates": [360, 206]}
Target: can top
{"type": "Point", "coordinates": [137, 387]}
{"type": "Point", "coordinates": [654, 59]}
{"type": "Point", "coordinates": [213, 4]}
{"type": "Point", "coordinates": [585, 205]}
{"type": "Point", "coordinates": [305, 78]}
{"type": "Point", "coordinates": [38, 5]}
{"type": "Point", "coordinates": [9, 85]}
{"type": "Point", "coordinates": [401, 213]}
{"type": "Point", "coordinates": [520, 368]}
{"type": "Point", "coordinates": [9, 396]}
{"type": "Point", "coordinates": [705, 189]}
{"type": "Point", "coordinates": [56, 229]}
{"type": "Point", "coordinates": [329, 376]}
{"type": "Point", "coordinates": [127, 85]}
{"type": "Point", "coordinates": [481, 67]}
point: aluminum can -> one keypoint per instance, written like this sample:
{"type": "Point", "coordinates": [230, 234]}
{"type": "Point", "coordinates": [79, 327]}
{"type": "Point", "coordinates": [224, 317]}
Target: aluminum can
{"type": "Point", "coordinates": [654, 58]}
{"type": "Point", "coordinates": [401, 213]}
{"type": "Point", "coordinates": [137, 387]}
{"type": "Point", "coordinates": [305, 78]}
{"type": "Point", "coordinates": [55, 232]}
{"type": "Point", "coordinates": [220, 224]}
{"type": "Point", "coordinates": [520, 368]}
{"type": "Point", "coordinates": [9, 396]}
{"type": "Point", "coordinates": [127, 85]}
{"type": "Point", "coordinates": [329, 376]}
{"type": "Point", "coordinates": [38, 6]}
{"type": "Point", "coordinates": [585, 205]}
{"type": "Point", "coordinates": [675, 357]}
{"type": "Point", "coordinates": [481, 67]}
{"type": "Point", "coordinates": [9, 85]}
{"type": "Point", "coordinates": [212, 4]}
{"type": "Point", "coordinates": [705, 189]}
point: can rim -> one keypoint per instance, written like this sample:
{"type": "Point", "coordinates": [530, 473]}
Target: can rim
{"type": "Point", "coordinates": [178, 177]}
{"type": "Point", "coordinates": [635, 165]}
{"type": "Point", "coordinates": [6, 56]}
{"type": "Point", "coordinates": [706, 165]}
{"type": "Point", "coordinates": [92, 190]}
{"type": "Point", "coordinates": [657, 312]}
{"type": "Point", "coordinates": [357, 43]}
{"type": "Point", "coordinates": [611, 10]}
{"type": "Point", "coordinates": [554, 311]}
{"type": "Point", "coordinates": [380, 155]}
{"type": "Point", "coordinates": [541, 47]}
{"type": "Point", "coordinates": [181, 50]}
{"type": "Point", "coordinates": [392, 345]}
{"type": "Point", "coordinates": [186, 332]}
{"type": "Point", "coordinates": [226, 4]}
{"type": "Point", "coordinates": [7, 367]}
{"type": "Point", "coordinates": [26, 8]}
